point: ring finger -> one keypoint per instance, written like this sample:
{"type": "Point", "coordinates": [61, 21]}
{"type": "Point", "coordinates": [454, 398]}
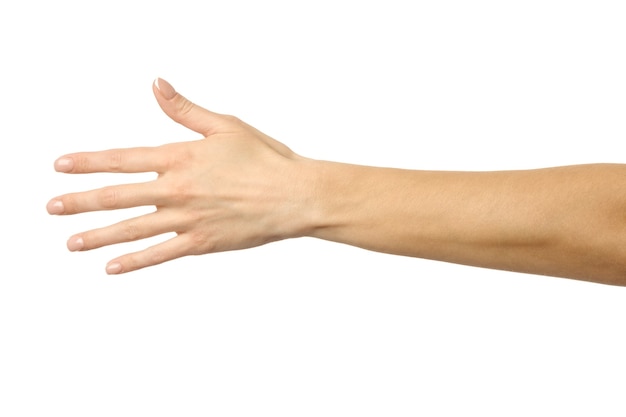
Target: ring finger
{"type": "Point", "coordinates": [107, 198]}
{"type": "Point", "coordinates": [137, 228]}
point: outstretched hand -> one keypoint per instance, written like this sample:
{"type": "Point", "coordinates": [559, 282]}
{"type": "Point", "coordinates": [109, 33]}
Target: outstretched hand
{"type": "Point", "coordinates": [235, 188]}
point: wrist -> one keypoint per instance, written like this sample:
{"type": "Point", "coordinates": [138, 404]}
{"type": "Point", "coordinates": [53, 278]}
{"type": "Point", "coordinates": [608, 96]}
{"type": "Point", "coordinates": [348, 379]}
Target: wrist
{"type": "Point", "coordinates": [333, 196]}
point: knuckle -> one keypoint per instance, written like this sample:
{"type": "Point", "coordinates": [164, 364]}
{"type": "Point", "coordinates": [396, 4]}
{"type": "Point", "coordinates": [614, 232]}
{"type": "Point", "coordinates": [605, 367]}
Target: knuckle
{"type": "Point", "coordinates": [185, 107]}
{"type": "Point", "coordinates": [201, 243]}
{"type": "Point", "coordinates": [194, 217]}
{"type": "Point", "coordinates": [180, 193]}
{"type": "Point", "coordinates": [156, 256]}
{"type": "Point", "coordinates": [232, 119]}
{"type": "Point", "coordinates": [115, 160]}
{"type": "Point", "coordinates": [197, 240]}
{"type": "Point", "coordinates": [131, 232]}
{"type": "Point", "coordinates": [178, 157]}
{"type": "Point", "coordinates": [108, 197]}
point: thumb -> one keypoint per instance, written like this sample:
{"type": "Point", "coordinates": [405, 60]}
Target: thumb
{"type": "Point", "coordinates": [183, 111]}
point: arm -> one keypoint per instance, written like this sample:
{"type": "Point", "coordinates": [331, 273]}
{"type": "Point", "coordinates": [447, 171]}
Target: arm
{"type": "Point", "coordinates": [238, 188]}
{"type": "Point", "coordinates": [566, 221]}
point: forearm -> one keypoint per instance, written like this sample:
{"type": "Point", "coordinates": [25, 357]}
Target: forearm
{"type": "Point", "coordinates": [566, 221]}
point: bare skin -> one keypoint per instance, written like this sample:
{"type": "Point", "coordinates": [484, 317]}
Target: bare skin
{"type": "Point", "coordinates": [238, 188]}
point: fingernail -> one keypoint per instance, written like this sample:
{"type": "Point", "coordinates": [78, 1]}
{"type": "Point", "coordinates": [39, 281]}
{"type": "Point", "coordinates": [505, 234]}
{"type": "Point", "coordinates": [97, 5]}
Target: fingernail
{"type": "Point", "coordinates": [165, 88]}
{"type": "Point", "coordinates": [64, 164]}
{"type": "Point", "coordinates": [75, 244]}
{"type": "Point", "coordinates": [55, 207]}
{"type": "Point", "coordinates": [114, 268]}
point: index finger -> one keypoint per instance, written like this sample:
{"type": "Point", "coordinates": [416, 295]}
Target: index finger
{"type": "Point", "coordinates": [129, 160]}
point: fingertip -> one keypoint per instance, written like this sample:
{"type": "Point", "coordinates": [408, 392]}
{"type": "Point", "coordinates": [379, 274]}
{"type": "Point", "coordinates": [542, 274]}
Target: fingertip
{"type": "Point", "coordinates": [164, 88]}
{"type": "Point", "coordinates": [64, 164]}
{"type": "Point", "coordinates": [75, 243]}
{"type": "Point", "coordinates": [114, 268]}
{"type": "Point", "coordinates": [55, 206]}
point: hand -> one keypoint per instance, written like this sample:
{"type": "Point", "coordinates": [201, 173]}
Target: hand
{"type": "Point", "coordinates": [233, 189]}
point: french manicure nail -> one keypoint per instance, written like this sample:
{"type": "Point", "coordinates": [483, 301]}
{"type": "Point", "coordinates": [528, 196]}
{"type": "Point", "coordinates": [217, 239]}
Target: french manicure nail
{"type": "Point", "coordinates": [75, 244]}
{"type": "Point", "coordinates": [56, 207]}
{"type": "Point", "coordinates": [165, 88]}
{"type": "Point", "coordinates": [64, 164]}
{"type": "Point", "coordinates": [114, 268]}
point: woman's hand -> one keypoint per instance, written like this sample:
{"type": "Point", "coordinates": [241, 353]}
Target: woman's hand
{"type": "Point", "coordinates": [234, 189]}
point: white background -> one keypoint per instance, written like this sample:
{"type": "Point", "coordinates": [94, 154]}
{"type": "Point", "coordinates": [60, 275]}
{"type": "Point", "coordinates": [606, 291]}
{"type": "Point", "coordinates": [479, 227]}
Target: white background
{"type": "Point", "coordinates": [304, 327]}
